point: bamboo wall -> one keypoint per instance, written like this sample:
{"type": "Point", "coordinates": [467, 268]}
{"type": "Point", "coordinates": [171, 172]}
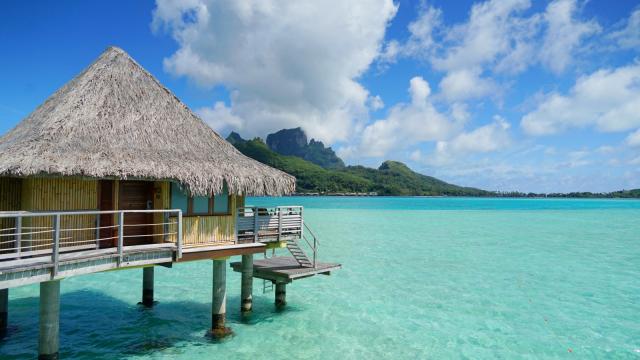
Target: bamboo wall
{"type": "Point", "coordinates": [62, 194]}
{"type": "Point", "coordinates": [59, 194]}
{"type": "Point", "coordinates": [10, 190]}
{"type": "Point", "coordinates": [210, 230]}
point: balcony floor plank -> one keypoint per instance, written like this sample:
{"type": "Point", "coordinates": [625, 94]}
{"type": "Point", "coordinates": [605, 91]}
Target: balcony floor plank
{"type": "Point", "coordinates": [285, 269]}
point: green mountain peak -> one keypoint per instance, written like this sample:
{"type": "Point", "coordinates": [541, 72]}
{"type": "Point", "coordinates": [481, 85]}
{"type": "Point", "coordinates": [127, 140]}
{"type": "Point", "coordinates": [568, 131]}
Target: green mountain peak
{"type": "Point", "coordinates": [391, 178]}
{"type": "Point", "coordinates": [294, 142]}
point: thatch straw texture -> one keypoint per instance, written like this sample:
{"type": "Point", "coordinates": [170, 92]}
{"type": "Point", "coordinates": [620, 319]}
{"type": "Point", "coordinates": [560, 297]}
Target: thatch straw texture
{"type": "Point", "coordinates": [115, 120]}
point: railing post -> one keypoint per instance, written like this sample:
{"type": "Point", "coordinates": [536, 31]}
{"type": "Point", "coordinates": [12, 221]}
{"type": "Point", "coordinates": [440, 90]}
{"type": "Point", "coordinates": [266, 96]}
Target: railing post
{"type": "Point", "coordinates": [30, 242]}
{"type": "Point", "coordinates": [235, 226]}
{"type": "Point", "coordinates": [165, 227]}
{"type": "Point", "coordinates": [179, 239]}
{"type": "Point", "coordinates": [18, 235]}
{"type": "Point", "coordinates": [97, 231]}
{"type": "Point", "coordinates": [56, 244]}
{"type": "Point", "coordinates": [120, 235]}
{"type": "Point", "coordinates": [301, 223]}
{"type": "Point", "coordinates": [255, 224]}
{"type": "Point", "coordinates": [279, 223]}
{"type": "Point", "coordinates": [315, 251]}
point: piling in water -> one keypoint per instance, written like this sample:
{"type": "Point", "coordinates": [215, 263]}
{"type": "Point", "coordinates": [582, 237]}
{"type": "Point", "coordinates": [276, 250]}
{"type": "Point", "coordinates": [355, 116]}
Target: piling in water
{"type": "Point", "coordinates": [48, 343]}
{"type": "Point", "coordinates": [4, 311]}
{"type": "Point", "coordinates": [246, 291]}
{"type": "Point", "coordinates": [219, 299]}
{"type": "Point", "coordinates": [281, 294]}
{"type": "Point", "coordinates": [147, 286]}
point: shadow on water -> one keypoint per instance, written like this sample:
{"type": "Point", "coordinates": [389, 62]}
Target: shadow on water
{"type": "Point", "coordinates": [94, 325]}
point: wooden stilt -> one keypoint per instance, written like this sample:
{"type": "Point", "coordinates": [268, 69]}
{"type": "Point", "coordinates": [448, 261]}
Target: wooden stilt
{"type": "Point", "coordinates": [219, 299]}
{"type": "Point", "coordinates": [246, 292]}
{"type": "Point", "coordinates": [281, 294]}
{"type": "Point", "coordinates": [147, 286]}
{"type": "Point", "coordinates": [4, 311]}
{"type": "Point", "coordinates": [48, 343]}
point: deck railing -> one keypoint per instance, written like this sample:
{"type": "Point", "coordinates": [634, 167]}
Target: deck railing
{"type": "Point", "coordinates": [47, 234]}
{"type": "Point", "coordinates": [276, 224]}
{"type": "Point", "coordinates": [269, 224]}
{"type": "Point", "coordinates": [312, 242]}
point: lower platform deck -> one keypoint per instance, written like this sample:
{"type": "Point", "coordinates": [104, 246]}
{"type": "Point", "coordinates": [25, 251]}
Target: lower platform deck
{"type": "Point", "coordinates": [285, 269]}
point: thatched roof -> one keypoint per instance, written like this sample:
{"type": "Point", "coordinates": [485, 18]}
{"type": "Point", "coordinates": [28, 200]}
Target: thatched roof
{"type": "Point", "coordinates": [115, 120]}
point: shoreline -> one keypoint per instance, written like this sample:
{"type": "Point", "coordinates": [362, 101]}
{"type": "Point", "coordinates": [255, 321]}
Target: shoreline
{"type": "Point", "coordinates": [464, 196]}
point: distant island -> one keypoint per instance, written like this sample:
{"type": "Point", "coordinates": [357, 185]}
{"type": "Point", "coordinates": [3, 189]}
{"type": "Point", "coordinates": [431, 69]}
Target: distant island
{"type": "Point", "coordinates": [319, 171]}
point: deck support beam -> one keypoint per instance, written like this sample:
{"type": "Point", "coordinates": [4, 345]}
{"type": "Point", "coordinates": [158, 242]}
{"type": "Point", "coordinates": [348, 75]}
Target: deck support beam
{"type": "Point", "coordinates": [4, 311]}
{"type": "Point", "coordinates": [48, 343]}
{"type": "Point", "coordinates": [147, 286]}
{"type": "Point", "coordinates": [281, 294]}
{"type": "Point", "coordinates": [246, 291]}
{"type": "Point", "coordinates": [219, 299]}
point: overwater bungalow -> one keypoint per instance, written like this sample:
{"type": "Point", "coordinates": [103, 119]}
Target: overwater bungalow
{"type": "Point", "coordinates": [113, 171]}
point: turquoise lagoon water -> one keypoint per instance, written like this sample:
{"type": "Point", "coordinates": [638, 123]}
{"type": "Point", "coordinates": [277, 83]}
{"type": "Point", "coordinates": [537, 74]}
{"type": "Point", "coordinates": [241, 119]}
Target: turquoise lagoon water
{"type": "Point", "coordinates": [422, 278]}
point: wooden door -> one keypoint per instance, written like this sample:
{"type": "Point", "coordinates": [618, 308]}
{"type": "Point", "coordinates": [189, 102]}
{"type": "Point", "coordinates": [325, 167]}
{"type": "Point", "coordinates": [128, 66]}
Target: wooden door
{"type": "Point", "coordinates": [106, 202]}
{"type": "Point", "coordinates": [137, 195]}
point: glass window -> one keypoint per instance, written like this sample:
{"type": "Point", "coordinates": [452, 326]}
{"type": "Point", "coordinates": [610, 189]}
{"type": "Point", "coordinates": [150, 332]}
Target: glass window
{"type": "Point", "coordinates": [221, 202]}
{"type": "Point", "coordinates": [200, 205]}
{"type": "Point", "coordinates": [179, 199]}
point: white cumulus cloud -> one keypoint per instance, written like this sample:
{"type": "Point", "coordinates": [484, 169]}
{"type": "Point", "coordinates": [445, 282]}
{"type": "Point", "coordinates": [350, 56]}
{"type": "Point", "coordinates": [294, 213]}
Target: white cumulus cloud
{"type": "Point", "coordinates": [490, 32]}
{"type": "Point", "coordinates": [629, 36]}
{"type": "Point", "coordinates": [564, 33]}
{"type": "Point", "coordinates": [376, 103]}
{"type": "Point", "coordinates": [495, 38]}
{"type": "Point", "coordinates": [608, 99]}
{"type": "Point", "coordinates": [500, 37]}
{"type": "Point", "coordinates": [288, 63]}
{"type": "Point", "coordinates": [408, 123]}
{"type": "Point", "coordinates": [421, 39]}
{"type": "Point", "coordinates": [634, 138]}
{"type": "Point", "coordinates": [487, 138]}
{"type": "Point", "coordinates": [466, 84]}
{"type": "Point", "coordinates": [220, 117]}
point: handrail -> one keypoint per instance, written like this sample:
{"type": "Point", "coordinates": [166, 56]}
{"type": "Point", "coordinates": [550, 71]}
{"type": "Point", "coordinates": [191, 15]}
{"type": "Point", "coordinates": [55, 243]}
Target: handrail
{"type": "Point", "coordinates": [66, 229]}
{"type": "Point", "coordinates": [310, 232]}
{"type": "Point", "coordinates": [268, 224]}
{"type": "Point", "coordinates": [179, 237]}
{"type": "Point", "coordinates": [12, 214]}
{"type": "Point", "coordinates": [274, 224]}
{"type": "Point", "coordinates": [315, 246]}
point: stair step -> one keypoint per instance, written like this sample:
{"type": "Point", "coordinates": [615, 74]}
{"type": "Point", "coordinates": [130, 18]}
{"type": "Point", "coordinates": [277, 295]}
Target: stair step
{"type": "Point", "coordinates": [298, 254]}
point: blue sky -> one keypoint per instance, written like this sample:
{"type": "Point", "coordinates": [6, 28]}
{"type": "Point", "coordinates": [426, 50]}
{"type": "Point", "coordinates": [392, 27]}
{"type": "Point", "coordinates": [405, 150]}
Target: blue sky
{"type": "Point", "coordinates": [505, 95]}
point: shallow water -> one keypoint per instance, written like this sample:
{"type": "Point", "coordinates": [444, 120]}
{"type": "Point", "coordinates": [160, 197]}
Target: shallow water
{"type": "Point", "coordinates": [421, 278]}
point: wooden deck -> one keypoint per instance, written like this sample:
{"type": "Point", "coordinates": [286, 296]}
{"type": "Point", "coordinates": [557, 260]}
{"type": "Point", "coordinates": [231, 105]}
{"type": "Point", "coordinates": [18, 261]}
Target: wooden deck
{"type": "Point", "coordinates": [285, 269]}
{"type": "Point", "coordinates": [37, 269]}
{"type": "Point", "coordinates": [63, 246]}
{"type": "Point", "coordinates": [41, 268]}
{"type": "Point", "coordinates": [217, 251]}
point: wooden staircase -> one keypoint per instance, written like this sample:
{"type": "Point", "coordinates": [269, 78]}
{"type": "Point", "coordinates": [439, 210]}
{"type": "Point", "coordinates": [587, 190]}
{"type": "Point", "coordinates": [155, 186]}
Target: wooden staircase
{"type": "Point", "coordinates": [298, 253]}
